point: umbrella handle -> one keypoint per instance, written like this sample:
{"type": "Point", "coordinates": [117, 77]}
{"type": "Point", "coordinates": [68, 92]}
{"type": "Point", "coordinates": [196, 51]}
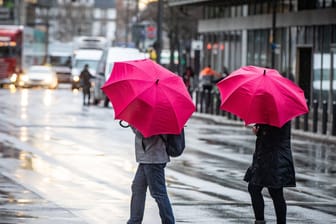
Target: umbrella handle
{"type": "Point", "coordinates": [123, 125]}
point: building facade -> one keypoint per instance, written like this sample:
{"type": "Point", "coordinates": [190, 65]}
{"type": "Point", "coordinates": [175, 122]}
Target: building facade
{"type": "Point", "coordinates": [63, 19]}
{"type": "Point", "coordinates": [296, 37]}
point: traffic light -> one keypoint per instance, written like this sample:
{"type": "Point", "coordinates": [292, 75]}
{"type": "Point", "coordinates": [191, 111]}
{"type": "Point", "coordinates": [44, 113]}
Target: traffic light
{"type": "Point", "coordinates": [151, 32]}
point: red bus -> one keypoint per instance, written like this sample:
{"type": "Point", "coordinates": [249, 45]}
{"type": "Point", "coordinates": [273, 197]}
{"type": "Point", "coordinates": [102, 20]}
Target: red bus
{"type": "Point", "coordinates": [20, 47]}
{"type": "Point", "coordinates": [10, 53]}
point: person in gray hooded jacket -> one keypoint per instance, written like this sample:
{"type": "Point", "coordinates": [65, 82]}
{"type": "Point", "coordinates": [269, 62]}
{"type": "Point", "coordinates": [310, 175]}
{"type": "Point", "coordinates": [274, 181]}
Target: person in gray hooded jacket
{"type": "Point", "coordinates": [152, 158]}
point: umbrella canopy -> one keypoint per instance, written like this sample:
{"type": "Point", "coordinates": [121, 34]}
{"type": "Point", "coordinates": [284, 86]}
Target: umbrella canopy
{"type": "Point", "coordinates": [149, 97]}
{"type": "Point", "coordinates": [261, 95]}
{"type": "Point", "coordinates": [207, 71]}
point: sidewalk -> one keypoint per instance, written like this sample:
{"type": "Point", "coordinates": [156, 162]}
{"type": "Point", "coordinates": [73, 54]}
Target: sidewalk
{"type": "Point", "coordinates": [308, 135]}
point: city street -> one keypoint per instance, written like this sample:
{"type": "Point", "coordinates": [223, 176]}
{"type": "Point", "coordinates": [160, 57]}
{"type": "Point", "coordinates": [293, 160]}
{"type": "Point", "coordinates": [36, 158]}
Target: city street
{"type": "Point", "coordinates": [62, 162]}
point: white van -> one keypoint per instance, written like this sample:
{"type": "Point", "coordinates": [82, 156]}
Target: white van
{"type": "Point", "coordinates": [80, 58]}
{"type": "Point", "coordinates": [105, 66]}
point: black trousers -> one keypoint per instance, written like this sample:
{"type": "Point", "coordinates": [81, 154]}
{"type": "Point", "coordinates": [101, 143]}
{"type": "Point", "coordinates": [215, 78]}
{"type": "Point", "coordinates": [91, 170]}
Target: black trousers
{"type": "Point", "coordinates": [258, 202]}
{"type": "Point", "coordinates": [86, 94]}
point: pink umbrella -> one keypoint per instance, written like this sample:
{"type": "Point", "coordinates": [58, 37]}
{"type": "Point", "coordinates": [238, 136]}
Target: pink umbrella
{"type": "Point", "coordinates": [149, 97]}
{"type": "Point", "coordinates": [261, 95]}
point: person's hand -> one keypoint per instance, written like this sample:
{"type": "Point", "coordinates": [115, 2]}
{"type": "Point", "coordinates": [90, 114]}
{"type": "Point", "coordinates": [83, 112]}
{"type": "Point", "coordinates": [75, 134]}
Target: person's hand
{"type": "Point", "coordinates": [255, 129]}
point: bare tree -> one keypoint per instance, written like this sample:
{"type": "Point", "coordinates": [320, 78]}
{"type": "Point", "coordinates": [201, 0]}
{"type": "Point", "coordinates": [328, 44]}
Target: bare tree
{"type": "Point", "coordinates": [73, 19]}
{"type": "Point", "coordinates": [180, 25]}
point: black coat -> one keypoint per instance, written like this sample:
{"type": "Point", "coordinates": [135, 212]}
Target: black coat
{"type": "Point", "coordinates": [85, 77]}
{"type": "Point", "coordinates": [272, 164]}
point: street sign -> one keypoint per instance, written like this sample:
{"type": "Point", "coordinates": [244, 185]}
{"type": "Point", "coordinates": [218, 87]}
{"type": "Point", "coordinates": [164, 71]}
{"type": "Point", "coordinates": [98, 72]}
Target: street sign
{"type": "Point", "coordinates": [196, 45]}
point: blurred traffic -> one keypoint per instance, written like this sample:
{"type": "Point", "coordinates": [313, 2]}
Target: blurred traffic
{"type": "Point", "coordinates": [39, 76]}
{"type": "Point", "coordinates": [24, 66]}
{"type": "Point", "coordinates": [180, 35]}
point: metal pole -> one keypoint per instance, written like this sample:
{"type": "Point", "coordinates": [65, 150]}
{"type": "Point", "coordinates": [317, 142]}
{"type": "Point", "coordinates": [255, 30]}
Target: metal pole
{"type": "Point", "coordinates": [137, 11]}
{"type": "Point", "coordinates": [332, 76]}
{"type": "Point", "coordinates": [333, 129]}
{"type": "Point", "coordinates": [159, 31]}
{"type": "Point", "coordinates": [17, 13]}
{"type": "Point", "coordinates": [324, 117]}
{"type": "Point", "coordinates": [315, 115]}
{"type": "Point", "coordinates": [127, 22]}
{"type": "Point", "coordinates": [273, 46]}
{"type": "Point", "coordinates": [47, 36]}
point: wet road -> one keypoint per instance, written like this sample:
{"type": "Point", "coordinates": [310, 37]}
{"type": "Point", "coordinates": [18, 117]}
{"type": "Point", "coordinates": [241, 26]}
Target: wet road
{"type": "Point", "coordinates": [77, 163]}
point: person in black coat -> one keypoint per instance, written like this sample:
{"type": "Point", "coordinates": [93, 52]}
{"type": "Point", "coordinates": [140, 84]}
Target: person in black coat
{"type": "Point", "coordinates": [85, 81]}
{"type": "Point", "coordinates": [272, 167]}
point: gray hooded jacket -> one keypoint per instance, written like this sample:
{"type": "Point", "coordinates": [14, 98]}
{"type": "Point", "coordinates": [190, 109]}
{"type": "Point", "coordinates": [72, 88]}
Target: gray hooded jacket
{"type": "Point", "coordinates": [150, 150]}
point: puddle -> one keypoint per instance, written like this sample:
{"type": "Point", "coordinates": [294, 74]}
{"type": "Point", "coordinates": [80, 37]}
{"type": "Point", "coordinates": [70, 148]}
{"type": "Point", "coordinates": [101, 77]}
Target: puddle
{"type": "Point", "coordinates": [6, 214]}
{"type": "Point", "coordinates": [9, 152]}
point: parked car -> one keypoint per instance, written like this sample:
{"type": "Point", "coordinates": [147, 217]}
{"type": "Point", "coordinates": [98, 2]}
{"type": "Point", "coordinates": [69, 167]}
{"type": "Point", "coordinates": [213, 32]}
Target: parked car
{"type": "Point", "coordinates": [39, 75]}
{"type": "Point", "coordinates": [105, 66]}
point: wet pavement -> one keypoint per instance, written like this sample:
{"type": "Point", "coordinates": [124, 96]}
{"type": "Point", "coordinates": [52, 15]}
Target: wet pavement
{"type": "Point", "coordinates": [64, 163]}
{"type": "Point", "coordinates": [20, 205]}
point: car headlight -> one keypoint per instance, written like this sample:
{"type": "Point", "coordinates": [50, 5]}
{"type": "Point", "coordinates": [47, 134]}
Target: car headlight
{"type": "Point", "coordinates": [48, 79]}
{"type": "Point", "coordinates": [13, 77]}
{"type": "Point", "coordinates": [75, 78]}
{"type": "Point", "coordinates": [24, 78]}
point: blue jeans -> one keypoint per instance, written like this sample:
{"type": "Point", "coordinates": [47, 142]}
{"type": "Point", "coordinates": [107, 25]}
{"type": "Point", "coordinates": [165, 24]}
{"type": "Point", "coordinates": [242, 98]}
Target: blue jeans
{"type": "Point", "coordinates": [152, 176]}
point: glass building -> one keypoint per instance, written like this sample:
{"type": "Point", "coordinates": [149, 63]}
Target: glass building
{"type": "Point", "coordinates": [296, 37]}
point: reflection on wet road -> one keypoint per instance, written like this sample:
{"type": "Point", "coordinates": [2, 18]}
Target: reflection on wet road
{"type": "Point", "coordinates": [234, 145]}
{"type": "Point", "coordinates": [20, 205]}
{"type": "Point", "coordinates": [77, 157]}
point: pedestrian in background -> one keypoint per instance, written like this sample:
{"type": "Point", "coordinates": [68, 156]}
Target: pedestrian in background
{"type": "Point", "coordinates": [225, 72]}
{"type": "Point", "coordinates": [85, 82]}
{"type": "Point", "coordinates": [188, 76]}
{"type": "Point", "coordinates": [152, 157]}
{"type": "Point", "coordinates": [272, 167]}
{"type": "Point", "coordinates": [207, 78]}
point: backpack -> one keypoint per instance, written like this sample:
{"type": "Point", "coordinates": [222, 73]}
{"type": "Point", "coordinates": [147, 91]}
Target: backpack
{"type": "Point", "coordinates": [175, 144]}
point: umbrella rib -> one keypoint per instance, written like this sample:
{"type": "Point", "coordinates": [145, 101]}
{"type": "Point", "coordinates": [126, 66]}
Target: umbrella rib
{"type": "Point", "coordinates": [172, 104]}
{"type": "Point", "coordinates": [129, 79]}
{"type": "Point", "coordinates": [135, 96]}
{"type": "Point", "coordinates": [119, 64]}
{"type": "Point", "coordinates": [248, 112]}
{"type": "Point", "coordinates": [228, 94]}
{"type": "Point", "coordinates": [268, 93]}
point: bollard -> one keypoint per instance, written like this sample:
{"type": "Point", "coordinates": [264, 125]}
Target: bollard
{"type": "Point", "coordinates": [229, 115]}
{"type": "Point", "coordinates": [218, 103]}
{"type": "Point", "coordinates": [202, 93]}
{"type": "Point", "coordinates": [315, 115]}
{"type": "Point", "coordinates": [305, 119]}
{"type": "Point", "coordinates": [207, 101]}
{"type": "Point", "coordinates": [324, 116]}
{"type": "Point", "coordinates": [197, 99]}
{"type": "Point", "coordinates": [223, 113]}
{"type": "Point", "coordinates": [212, 103]}
{"type": "Point", "coordinates": [297, 123]}
{"type": "Point", "coordinates": [305, 122]}
{"type": "Point", "coordinates": [333, 128]}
